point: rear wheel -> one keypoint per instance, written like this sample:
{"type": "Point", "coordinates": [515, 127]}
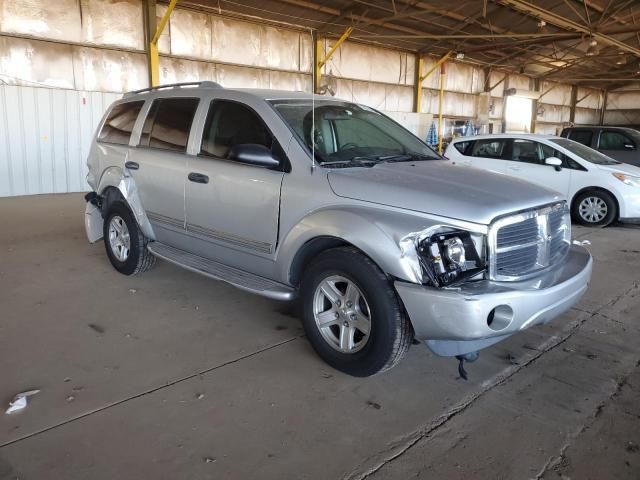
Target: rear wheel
{"type": "Point", "coordinates": [594, 208]}
{"type": "Point", "coordinates": [124, 242]}
{"type": "Point", "coordinates": [352, 315]}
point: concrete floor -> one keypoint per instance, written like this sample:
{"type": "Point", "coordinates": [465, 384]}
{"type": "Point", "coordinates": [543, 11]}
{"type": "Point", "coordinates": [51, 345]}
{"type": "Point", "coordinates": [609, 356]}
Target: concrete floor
{"type": "Point", "coordinates": [172, 375]}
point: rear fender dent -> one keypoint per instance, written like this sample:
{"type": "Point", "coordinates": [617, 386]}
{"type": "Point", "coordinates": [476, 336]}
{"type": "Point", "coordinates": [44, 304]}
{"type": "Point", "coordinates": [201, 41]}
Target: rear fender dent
{"type": "Point", "coordinates": [115, 177]}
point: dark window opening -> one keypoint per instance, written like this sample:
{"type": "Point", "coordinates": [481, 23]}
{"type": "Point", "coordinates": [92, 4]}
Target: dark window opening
{"type": "Point", "coordinates": [168, 123]}
{"type": "Point", "coordinates": [119, 124]}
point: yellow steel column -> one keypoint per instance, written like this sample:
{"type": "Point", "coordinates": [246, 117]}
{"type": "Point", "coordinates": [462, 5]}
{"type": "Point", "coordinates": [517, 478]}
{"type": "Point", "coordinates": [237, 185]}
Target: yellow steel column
{"type": "Point", "coordinates": [320, 62]}
{"type": "Point", "coordinates": [417, 88]}
{"type": "Point", "coordinates": [440, 132]}
{"type": "Point", "coordinates": [154, 58]}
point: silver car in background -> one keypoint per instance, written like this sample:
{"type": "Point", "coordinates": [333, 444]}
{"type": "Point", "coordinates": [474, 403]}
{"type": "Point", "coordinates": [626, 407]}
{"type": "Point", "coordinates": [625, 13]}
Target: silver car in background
{"type": "Point", "coordinates": [288, 196]}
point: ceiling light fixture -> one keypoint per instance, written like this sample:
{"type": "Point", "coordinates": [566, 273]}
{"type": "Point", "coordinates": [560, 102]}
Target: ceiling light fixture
{"type": "Point", "coordinates": [593, 48]}
{"type": "Point", "coordinates": [460, 56]}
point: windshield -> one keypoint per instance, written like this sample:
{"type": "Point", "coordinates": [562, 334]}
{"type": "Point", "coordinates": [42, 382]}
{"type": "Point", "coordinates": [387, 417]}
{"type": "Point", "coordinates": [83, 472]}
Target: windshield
{"type": "Point", "coordinates": [584, 152]}
{"type": "Point", "coordinates": [346, 133]}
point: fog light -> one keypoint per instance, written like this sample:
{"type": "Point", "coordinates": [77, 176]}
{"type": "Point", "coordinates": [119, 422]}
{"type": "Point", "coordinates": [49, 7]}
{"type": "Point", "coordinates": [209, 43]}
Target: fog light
{"type": "Point", "coordinates": [500, 318]}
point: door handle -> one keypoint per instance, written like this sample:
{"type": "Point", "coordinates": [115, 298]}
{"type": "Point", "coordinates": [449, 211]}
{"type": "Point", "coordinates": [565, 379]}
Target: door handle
{"type": "Point", "coordinates": [198, 177]}
{"type": "Point", "coordinates": [132, 165]}
{"type": "Point", "coordinates": [513, 168]}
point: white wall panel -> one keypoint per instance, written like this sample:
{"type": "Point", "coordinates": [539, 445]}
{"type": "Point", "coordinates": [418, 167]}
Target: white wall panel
{"type": "Point", "coordinates": [622, 117]}
{"type": "Point", "coordinates": [30, 62]}
{"type": "Point", "coordinates": [363, 62]}
{"type": "Point", "coordinates": [119, 24]}
{"type": "Point", "coordinates": [45, 136]}
{"type": "Point", "coordinates": [190, 34]}
{"type": "Point", "coordinates": [557, 94]}
{"type": "Point", "coordinates": [586, 116]}
{"type": "Point", "coordinates": [554, 113]}
{"type": "Point", "coordinates": [56, 20]}
{"type": "Point", "coordinates": [589, 98]}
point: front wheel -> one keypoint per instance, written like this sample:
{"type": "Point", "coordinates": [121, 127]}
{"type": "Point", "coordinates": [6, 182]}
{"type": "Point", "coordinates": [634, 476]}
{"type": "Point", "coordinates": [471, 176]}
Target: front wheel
{"type": "Point", "coordinates": [594, 208]}
{"type": "Point", "coordinates": [125, 244]}
{"type": "Point", "coordinates": [352, 315]}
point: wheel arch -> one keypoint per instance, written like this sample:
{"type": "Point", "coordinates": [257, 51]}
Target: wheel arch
{"type": "Point", "coordinates": [115, 184]}
{"type": "Point", "coordinates": [370, 232]}
{"type": "Point", "coordinates": [597, 189]}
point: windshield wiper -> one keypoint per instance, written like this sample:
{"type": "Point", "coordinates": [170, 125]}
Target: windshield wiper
{"type": "Point", "coordinates": [355, 162]}
{"type": "Point", "coordinates": [405, 157]}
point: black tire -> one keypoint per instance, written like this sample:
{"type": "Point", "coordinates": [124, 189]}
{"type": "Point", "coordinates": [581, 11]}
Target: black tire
{"type": "Point", "coordinates": [139, 258]}
{"type": "Point", "coordinates": [390, 334]}
{"type": "Point", "coordinates": [596, 195]}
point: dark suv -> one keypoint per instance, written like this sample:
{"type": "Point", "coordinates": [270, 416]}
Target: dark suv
{"type": "Point", "coordinates": [619, 143]}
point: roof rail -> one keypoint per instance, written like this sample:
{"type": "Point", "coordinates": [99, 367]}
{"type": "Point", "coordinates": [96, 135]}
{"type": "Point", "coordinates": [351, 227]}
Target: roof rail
{"type": "Point", "coordinates": [203, 84]}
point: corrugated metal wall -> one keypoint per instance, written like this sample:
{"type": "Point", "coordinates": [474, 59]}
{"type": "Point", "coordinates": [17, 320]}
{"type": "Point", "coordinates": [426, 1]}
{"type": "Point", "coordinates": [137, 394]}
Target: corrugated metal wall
{"type": "Point", "coordinates": [45, 136]}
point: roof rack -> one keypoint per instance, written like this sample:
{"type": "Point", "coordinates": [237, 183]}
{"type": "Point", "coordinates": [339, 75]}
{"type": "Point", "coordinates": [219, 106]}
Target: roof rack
{"type": "Point", "coordinates": [204, 84]}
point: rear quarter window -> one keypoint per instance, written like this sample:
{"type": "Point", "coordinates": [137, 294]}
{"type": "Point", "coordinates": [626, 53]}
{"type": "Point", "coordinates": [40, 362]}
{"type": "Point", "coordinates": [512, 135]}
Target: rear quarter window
{"type": "Point", "coordinates": [119, 123]}
{"type": "Point", "coordinates": [463, 147]}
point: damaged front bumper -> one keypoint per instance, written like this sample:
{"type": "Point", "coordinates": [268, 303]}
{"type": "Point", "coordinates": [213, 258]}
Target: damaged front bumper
{"type": "Point", "coordinates": [456, 321]}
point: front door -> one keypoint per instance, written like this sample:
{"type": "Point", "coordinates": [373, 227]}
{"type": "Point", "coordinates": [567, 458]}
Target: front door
{"type": "Point", "coordinates": [233, 205]}
{"type": "Point", "coordinates": [618, 146]}
{"type": "Point", "coordinates": [527, 162]}
{"type": "Point", "coordinates": [158, 166]}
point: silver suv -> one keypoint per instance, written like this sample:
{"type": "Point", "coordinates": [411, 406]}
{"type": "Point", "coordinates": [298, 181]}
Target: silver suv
{"type": "Point", "coordinates": [382, 240]}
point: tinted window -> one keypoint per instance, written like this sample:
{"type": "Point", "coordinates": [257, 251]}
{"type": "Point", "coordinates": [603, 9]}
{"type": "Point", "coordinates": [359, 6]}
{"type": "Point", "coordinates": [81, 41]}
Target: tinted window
{"type": "Point", "coordinates": [488, 148]}
{"type": "Point", "coordinates": [610, 140]}
{"type": "Point", "coordinates": [462, 147]}
{"type": "Point", "coordinates": [229, 124]}
{"type": "Point", "coordinates": [581, 136]}
{"type": "Point", "coordinates": [168, 123]}
{"type": "Point", "coordinates": [526, 151]}
{"type": "Point", "coordinates": [119, 124]}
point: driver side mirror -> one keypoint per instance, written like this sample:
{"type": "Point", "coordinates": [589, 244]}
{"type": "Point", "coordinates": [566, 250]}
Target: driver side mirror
{"type": "Point", "coordinates": [253, 154]}
{"type": "Point", "coordinates": [554, 162]}
{"type": "Point", "coordinates": [628, 146]}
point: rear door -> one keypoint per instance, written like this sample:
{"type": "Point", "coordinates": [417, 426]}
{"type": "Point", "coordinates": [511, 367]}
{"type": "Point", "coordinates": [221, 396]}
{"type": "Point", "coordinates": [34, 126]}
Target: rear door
{"type": "Point", "coordinates": [585, 136]}
{"type": "Point", "coordinates": [618, 145]}
{"type": "Point", "coordinates": [158, 165]}
{"type": "Point", "coordinates": [487, 154]}
{"type": "Point", "coordinates": [527, 162]}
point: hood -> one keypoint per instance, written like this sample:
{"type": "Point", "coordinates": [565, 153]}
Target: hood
{"type": "Point", "coordinates": [440, 188]}
{"type": "Point", "coordinates": [622, 168]}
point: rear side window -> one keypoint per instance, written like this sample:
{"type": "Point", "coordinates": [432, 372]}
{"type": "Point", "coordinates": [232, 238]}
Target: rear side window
{"type": "Point", "coordinates": [119, 124]}
{"type": "Point", "coordinates": [229, 124]}
{"type": "Point", "coordinates": [168, 124]}
{"type": "Point", "coordinates": [489, 148]}
{"type": "Point", "coordinates": [610, 140]}
{"type": "Point", "coordinates": [581, 136]}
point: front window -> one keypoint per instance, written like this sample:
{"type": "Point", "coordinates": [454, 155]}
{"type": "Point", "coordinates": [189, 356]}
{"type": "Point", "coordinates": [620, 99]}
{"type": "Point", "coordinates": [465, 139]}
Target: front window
{"type": "Point", "coordinates": [346, 133]}
{"type": "Point", "coordinates": [610, 140]}
{"type": "Point", "coordinates": [585, 153]}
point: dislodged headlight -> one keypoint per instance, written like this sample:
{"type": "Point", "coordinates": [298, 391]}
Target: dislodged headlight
{"type": "Point", "coordinates": [450, 257]}
{"type": "Point", "coordinates": [627, 179]}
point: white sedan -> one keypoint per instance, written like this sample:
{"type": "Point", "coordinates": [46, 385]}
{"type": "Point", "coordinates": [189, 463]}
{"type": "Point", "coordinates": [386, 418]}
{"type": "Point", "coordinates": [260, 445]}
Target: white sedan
{"type": "Point", "coordinates": [600, 189]}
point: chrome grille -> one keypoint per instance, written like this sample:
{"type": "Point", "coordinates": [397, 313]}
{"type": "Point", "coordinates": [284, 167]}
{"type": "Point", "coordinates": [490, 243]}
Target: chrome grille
{"type": "Point", "coordinates": [524, 244]}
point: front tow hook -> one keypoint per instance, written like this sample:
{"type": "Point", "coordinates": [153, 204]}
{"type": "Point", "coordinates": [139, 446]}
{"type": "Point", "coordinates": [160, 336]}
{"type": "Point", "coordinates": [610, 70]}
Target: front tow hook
{"type": "Point", "coordinates": [467, 357]}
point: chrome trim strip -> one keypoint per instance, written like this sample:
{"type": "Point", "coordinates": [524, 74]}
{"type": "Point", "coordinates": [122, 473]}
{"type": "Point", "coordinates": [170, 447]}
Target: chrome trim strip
{"type": "Point", "coordinates": [158, 218]}
{"type": "Point", "coordinates": [228, 238]}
